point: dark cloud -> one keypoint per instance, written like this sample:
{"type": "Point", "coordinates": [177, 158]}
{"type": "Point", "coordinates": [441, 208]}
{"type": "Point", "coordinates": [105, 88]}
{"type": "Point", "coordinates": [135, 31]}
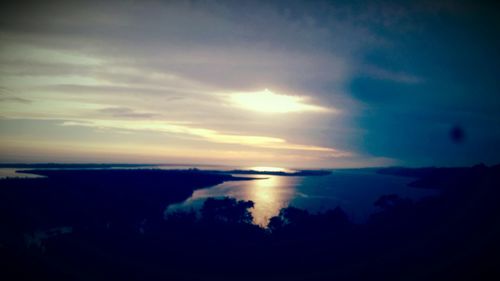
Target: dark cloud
{"type": "Point", "coordinates": [125, 112]}
{"type": "Point", "coordinates": [399, 73]}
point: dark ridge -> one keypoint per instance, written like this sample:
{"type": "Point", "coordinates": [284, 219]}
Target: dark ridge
{"type": "Point", "coordinates": [84, 197]}
{"type": "Point", "coordinates": [96, 165]}
{"type": "Point", "coordinates": [72, 165]}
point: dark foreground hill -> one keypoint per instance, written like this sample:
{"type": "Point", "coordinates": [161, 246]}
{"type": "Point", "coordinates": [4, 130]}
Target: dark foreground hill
{"type": "Point", "coordinates": [87, 226]}
{"type": "Point", "coordinates": [93, 197]}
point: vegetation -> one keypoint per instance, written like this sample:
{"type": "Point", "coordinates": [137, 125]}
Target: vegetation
{"type": "Point", "coordinates": [453, 236]}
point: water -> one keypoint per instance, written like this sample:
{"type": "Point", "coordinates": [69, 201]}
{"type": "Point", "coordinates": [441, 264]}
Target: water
{"type": "Point", "coordinates": [354, 191]}
{"type": "Point", "coordinates": [12, 173]}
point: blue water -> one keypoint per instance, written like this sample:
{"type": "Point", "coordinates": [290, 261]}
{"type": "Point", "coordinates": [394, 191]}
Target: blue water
{"type": "Point", "coordinates": [353, 190]}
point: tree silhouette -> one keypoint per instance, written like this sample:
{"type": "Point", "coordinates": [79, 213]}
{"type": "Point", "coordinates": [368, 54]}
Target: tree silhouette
{"type": "Point", "coordinates": [227, 210]}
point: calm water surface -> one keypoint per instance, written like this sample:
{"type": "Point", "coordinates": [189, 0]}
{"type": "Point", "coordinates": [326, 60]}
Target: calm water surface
{"type": "Point", "coordinates": [12, 173]}
{"type": "Point", "coordinates": [354, 191]}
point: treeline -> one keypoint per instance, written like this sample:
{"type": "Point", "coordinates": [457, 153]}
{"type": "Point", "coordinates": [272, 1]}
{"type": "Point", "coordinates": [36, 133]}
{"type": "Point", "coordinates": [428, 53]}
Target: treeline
{"type": "Point", "coordinates": [453, 236]}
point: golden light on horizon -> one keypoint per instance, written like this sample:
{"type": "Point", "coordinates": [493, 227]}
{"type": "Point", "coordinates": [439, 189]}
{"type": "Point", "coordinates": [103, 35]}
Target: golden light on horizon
{"type": "Point", "coordinates": [270, 169]}
{"type": "Point", "coordinates": [268, 102]}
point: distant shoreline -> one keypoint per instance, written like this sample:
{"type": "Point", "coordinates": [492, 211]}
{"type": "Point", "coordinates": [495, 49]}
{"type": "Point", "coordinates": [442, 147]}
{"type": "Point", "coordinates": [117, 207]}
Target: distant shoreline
{"type": "Point", "coordinates": [192, 167]}
{"type": "Point", "coordinates": [73, 165]}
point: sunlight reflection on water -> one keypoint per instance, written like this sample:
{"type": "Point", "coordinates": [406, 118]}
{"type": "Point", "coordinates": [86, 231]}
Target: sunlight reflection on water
{"type": "Point", "coordinates": [269, 193]}
{"type": "Point", "coordinates": [268, 197]}
{"type": "Point", "coordinates": [353, 191]}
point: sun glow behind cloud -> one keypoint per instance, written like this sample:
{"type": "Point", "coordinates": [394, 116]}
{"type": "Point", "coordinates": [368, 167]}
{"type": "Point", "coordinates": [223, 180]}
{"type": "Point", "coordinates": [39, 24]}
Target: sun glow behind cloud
{"type": "Point", "coordinates": [116, 96]}
{"type": "Point", "coordinates": [269, 102]}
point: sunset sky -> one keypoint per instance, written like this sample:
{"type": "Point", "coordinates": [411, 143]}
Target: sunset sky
{"type": "Point", "coordinates": [257, 83]}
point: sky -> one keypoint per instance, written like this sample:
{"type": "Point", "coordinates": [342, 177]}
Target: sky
{"type": "Point", "coordinates": [301, 84]}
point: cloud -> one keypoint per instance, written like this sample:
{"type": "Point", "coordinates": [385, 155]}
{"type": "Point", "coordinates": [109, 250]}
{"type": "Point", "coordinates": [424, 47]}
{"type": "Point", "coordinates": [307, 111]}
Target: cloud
{"type": "Point", "coordinates": [115, 64]}
{"type": "Point", "coordinates": [14, 99]}
{"type": "Point", "coordinates": [125, 112]}
{"type": "Point", "coordinates": [206, 134]}
{"type": "Point", "coordinates": [171, 59]}
{"type": "Point", "coordinates": [385, 74]}
{"type": "Point", "coordinates": [269, 102]}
